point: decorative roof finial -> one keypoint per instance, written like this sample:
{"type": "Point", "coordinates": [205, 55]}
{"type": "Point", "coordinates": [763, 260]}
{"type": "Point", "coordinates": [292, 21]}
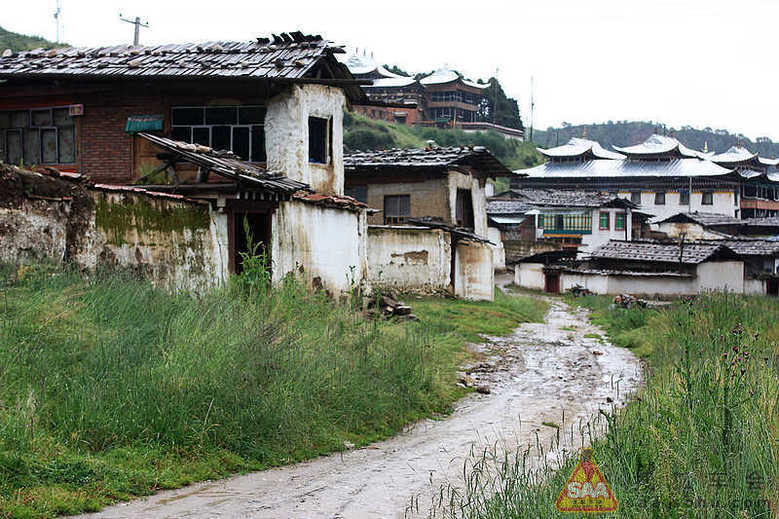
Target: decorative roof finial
{"type": "Point", "coordinates": [584, 133]}
{"type": "Point", "coordinates": [705, 146]}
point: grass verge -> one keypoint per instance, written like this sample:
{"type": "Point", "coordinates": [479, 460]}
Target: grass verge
{"type": "Point", "coordinates": [111, 389]}
{"type": "Point", "coordinates": [699, 441]}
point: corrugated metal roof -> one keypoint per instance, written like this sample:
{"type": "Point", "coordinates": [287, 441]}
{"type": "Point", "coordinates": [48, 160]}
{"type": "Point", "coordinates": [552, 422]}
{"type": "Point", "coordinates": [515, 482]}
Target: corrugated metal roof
{"type": "Point", "coordinates": [577, 147]}
{"type": "Point", "coordinates": [288, 56]}
{"type": "Point", "coordinates": [657, 252]}
{"type": "Point", "coordinates": [626, 168]}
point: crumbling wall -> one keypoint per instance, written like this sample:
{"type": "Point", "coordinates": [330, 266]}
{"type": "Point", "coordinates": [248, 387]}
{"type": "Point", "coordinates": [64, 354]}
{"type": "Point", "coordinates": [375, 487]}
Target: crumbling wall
{"type": "Point", "coordinates": [326, 245]}
{"type": "Point", "coordinates": [409, 258]}
{"type": "Point", "coordinates": [286, 135]}
{"type": "Point", "coordinates": [458, 180]}
{"type": "Point", "coordinates": [498, 252]}
{"type": "Point", "coordinates": [474, 272]}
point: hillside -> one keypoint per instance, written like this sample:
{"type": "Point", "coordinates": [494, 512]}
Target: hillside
{"type": "Point", "coordinates": [627, 133]}
{"type": "Point", "coordinates": [16, 42]}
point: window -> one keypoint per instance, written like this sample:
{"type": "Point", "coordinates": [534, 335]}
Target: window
{"type": "Point", "coordinates": [318, 140]}
{"type": "Point", "coordinates": [635, 197]}
{"type": "Point", "coordinates": [396, 208]}
{"type": "Point", "coordinates": [359, 193]}
{"type": "Point", "coordinates": [464, 208]}
{"type": "Point", "coordinates": [40, 136]}
{"type": "Point", "coordinates": [660, 198]}
{"type": "Point", "coordinates": [707, 198]}
{"type": "Point", "coordinates": [619, 222]}
{"type": "Point", "coordinates": [604, 221]}
{"type": "Point", "coordinates": [569, 223]}
{"type": "Point", "coordinates": [684, 197]}
{"type": "Point", "coordinates": [239, 129]}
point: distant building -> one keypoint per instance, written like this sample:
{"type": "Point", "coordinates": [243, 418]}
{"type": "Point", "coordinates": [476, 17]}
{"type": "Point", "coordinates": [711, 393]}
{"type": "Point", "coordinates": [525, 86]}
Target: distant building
{"type": "Point", "coordinates": [759, 188]}
{"type": "Point", "coordinates": [443, 99]}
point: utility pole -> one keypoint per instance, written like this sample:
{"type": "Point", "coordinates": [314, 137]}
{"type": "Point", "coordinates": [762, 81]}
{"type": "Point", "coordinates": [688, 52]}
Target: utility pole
{"type": "Point", "coordinates": [57, 19]}
{"type": "Point", "coordinates": [138, 24]}
{"type": "Point", "coordinates": [495, 99]}
{"type": "Point", "coordinates": [532, 108]}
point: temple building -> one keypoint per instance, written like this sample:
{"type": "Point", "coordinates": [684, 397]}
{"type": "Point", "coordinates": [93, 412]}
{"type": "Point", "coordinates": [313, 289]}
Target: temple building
{"type": "Point", "coordinates": [759, 189]}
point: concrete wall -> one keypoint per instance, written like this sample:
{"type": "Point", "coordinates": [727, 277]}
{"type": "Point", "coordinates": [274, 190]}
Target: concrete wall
{"type": "Point", "coordinates": [286, 135]}
{"type": "Point", "coordinates": [409, 258]}
{"type": "Point", "coordinates": [595, 283]}
{"type": "Point", "coordinates": [721, 275]}
{"type": "Point", "coordinates": [498, 252]}
{"type": "Point", "coordinates": [723, 203]}
{"type": "Point", "coordinates": [693, 231]}
{"type": "Point", "coordinates": [328, 246]}
{"type": "Point", "coordinates": [458, 180]}
{"type": "Point", "coordinates": [474, 272]}
{"type": "Point", "coordinates": [529, 275]}
{"type": "Point", "coordinates": [652, 285]}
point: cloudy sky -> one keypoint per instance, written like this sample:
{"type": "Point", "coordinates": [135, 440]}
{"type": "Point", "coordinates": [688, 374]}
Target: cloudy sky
{"type": "Point", "coordinates": [696, 62]}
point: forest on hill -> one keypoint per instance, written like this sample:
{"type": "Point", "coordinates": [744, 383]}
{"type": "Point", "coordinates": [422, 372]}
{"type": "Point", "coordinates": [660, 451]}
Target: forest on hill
{"type": "Point", "coordinates": [17, 42]}
{"type": "Point", "coordinates": [627, 133]}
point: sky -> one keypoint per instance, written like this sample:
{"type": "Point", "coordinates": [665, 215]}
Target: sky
{"type": "Point", "coordinates": [702, 63]}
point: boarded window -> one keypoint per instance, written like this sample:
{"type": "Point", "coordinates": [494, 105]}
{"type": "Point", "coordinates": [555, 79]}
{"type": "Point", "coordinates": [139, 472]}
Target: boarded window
{"type": "Point", "coordinates": [396, 208]}
{"type": "Point", "coordinates": [660, 198]}
{"type": "Point", "coordinates": [684, 197]}
{"type": "Point", "coordinates": [619, 221]}
{"type": "Point", "coordinates": [707, 198]}
{"type": "Point", "coordinates": [318, 140]}
{"type": "Point", "coordinates": [604, 221]}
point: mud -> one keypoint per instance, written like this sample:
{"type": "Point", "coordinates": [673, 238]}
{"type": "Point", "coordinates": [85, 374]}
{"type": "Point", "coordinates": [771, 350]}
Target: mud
{"type": "Point", "coordinates": [534, 375]}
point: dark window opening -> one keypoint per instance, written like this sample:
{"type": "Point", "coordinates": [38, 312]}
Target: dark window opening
{"type": "Point", "coordinates": [359, 193]}
{"type": "Point", "coordinates": [464, 209]}
{"type": "Point", "coordinates": [239, 129]}
{"type": "Point", "coordinates": [40, 136]}
{"type": "Point", "coordinates": [256, 242]}
{"type": "Point", "coordinates": [707, 198]}
{"type": "Point", "coordinates": [318, 140]}
{"type": "Point", "coordinates": [635, 197]}
{"type": "Point", "coordinates": [660, 198]}
{"type": "Point", "coordinates": [396, 208]}
{"type": "Point", "coordinates": [684, 197]}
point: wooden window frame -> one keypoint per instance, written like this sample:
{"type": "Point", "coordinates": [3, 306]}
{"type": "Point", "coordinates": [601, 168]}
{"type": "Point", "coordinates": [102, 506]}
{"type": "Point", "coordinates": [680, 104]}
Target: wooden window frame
{"type": "Point", "coordinates": [617, 218]}
{"type": "Point", "coordinates": [659, 197]}
{"type": "Point", "coordinates": [608, 221]}
{"type": "Point", "coordinates": [710, 195]}
{"type": "Point", "coordinates": [251, 126]}
{"type": "Point", "coordinates": [396, 217]}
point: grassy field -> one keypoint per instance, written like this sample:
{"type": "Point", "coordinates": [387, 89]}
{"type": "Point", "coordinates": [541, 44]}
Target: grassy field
{"type": "Point", "coordinates": [111, 389]}
{"type": "Point", "coordinates": [699, 441]}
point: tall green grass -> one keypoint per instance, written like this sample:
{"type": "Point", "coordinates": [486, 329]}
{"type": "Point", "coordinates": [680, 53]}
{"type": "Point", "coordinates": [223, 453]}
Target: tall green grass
{"type": "Point", "coordinates": [110, 388]}
{"type": "Point", "coordinates": [700, 440]}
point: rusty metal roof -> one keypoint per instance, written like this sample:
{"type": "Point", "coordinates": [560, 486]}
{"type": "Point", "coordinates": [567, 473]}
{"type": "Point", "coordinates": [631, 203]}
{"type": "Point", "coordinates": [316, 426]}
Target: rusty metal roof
{"type": "Point", "coordinates": [227, 164]}
{"type": "Point", "coordinates": [289, 56]}
{"type": "Point", "coordinates": [692, 253]}
{"type": "Point", "coordinates": [440, 158]}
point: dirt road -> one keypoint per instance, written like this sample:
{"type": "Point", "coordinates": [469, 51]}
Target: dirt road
{"type": "Point", "coordinates": [533, 375]}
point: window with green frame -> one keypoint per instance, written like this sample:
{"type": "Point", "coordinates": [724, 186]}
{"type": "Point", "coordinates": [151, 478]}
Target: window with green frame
{"type": "Point", "coordinates": [619, 221]}
{"type": "Point", "coordinates": [604, 221]}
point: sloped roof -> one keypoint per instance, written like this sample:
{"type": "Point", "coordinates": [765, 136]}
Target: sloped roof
{"type": "Point", "coordinates": [361, 64]}
{"type": "Point", "coordinates": [740, 155]}
{"type": "Point", "coordinates": [290, 57]}
{"type": "Point", "coordinates": [391, 82]}
{"type": "Point", "coordinates": [703, 219]}
{"type": "Point", "coordinates": [577, 147]}
{"type": "Point", "coordinates": [753, 247]}
{"type": "Point", "coordinates": [445, 75]}
{"type": "Point", "coordinates": [478, 157]}
{"type": "Point", "coordinates": [687, 167]}
{"type": "Point", "coordinates": [693, 253]}
{"type": "Point", "coordinates": [659, 145]}
{"type": "Point", "coordinates": [495, 207]}
{"type": "Point", "coordinates": [567, 198]}
{"type": "Point", "coordinates": [227, 164]}
{"type": "Point", "coordinates": [769, 221]}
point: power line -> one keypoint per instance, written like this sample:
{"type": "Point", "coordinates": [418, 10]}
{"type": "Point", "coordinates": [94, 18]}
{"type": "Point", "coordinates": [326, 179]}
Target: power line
{"type": "Point", "coordinates": [138, 24]}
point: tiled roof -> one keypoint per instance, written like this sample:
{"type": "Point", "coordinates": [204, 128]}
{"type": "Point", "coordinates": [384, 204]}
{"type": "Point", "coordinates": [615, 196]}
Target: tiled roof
{"type": "Point", "coordinates": [293, 56]}
{"type": "Point", "coordinates": [425, 158]}
{"type": "Point", "coordinates": [495, 207]}
{"type": "Point", "coordinates": [659, 145]}
{"type": "Point", "coordinates": [564, 198]}
{"type": "Point", "coordinates": [769, 221]}
{"type": "Point", "coordinates": [703, 219]}
{"type": "Point", "coordinates": [753, 247]}
{"type": "Point", "coordinates": [445, 75]}
{"type": "Point", "coordinates": [577, 147]}
{"type": "Point", "coordinates": [227, 164]}
{"type": "Point", "coordinates": [660, 252]}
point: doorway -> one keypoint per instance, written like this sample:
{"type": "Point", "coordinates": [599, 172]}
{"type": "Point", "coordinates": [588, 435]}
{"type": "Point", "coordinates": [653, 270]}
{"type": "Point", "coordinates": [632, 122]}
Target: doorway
{"type": "Point", "coordinates": [552, 282]}
{"type": "Point", "coordinates": [772, 287]}
{"type": "Point", "coordinates": [251, 233]}
{"type": "Point", "coordinates": [464, 209]}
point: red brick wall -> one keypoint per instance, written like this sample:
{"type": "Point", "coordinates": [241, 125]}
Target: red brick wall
{"type": "Point", "coordinates": [383, 113]}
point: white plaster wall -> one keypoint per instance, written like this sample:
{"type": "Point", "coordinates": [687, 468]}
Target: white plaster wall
{"type": "Point", "coordinates": [723, 203]}
{"type": "Point", "coordinates": [34, 232]}
{"type": "Point", "coordinates": [409, 258]}
{"type": "Point", "coordinates": [595, 283]}
{"type": "Point", "coordinates": [754, 287]}
{"type": "Point", "coordinates": [220, 248]}
{"type": "Point", "coordinates": [529, 275]}
{"type": "Point", "coordinates": [599, 237]}
{"type": "Point", "coordinates": [458, 180]}
{"type": "Point", "coordinates": [286, 135]}
{"type": "Point", "coordinates": [693, 231]}
{"type": "Point", "coordinates": [474, 272]}
{"type": "Point", "coordinates": [721, 275]}
{"type": "Point", "coordinates": [327, 246]}
{"type": "Point", "coordinates": [498, 252]}
{"type": "Point", "coordinates": [651, 286]}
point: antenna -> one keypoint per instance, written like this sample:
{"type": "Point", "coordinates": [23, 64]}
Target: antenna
{"type": "Point", "coordinates": [138, 25]}
{"type": "Point", "coordinates": [532, 107]}
{"type": "Point", "coordinates": [57, 19]}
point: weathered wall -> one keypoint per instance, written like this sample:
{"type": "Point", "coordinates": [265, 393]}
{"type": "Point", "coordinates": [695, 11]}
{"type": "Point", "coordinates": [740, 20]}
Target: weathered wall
{"type": "Point", "coordinates": [595, 283]}
{"type": "Point", "coordinates": [693, 231]}
{"type": "Point", "coordinates": [409, 258]}
{"type": "Point", "coordinates": [498, 252]}
{"type": "Point", "coordinates": [652, 285]}
{"type": "Point", "coordinates": [474, 272]}
{"type": "Point", "coordinates": [721, 275]}
{"type": "Point", "coordinates": [326, 245]}
{"type": "Point", "coordinates": [754, 286]}
{"type": "Point", "coordinates": [529, 275]}
{"type": "Point", "coordinates": [428, 198]}
{"type": "Point", "coordinates": [458, 180]}
{"type": "Point", "coordinates": [286, 135]}
{"type": "Point", "coordinates": [599, 236]}
{"type": "Point", "coordinates": [34, 231]}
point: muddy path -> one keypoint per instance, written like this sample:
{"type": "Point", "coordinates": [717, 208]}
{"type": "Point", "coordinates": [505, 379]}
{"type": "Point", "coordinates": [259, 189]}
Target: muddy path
{"type": "Point", "coordinates": [534, 375]}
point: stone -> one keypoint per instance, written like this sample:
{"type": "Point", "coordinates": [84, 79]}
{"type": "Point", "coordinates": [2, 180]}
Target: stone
{"type": "Point", "coordinates": [483, 389]}
{"type": "Point", "coordinates": [402, 310]}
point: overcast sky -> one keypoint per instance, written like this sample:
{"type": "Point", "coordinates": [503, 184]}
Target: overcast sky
{"type": "Point", "coordinates": [697, 62]}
